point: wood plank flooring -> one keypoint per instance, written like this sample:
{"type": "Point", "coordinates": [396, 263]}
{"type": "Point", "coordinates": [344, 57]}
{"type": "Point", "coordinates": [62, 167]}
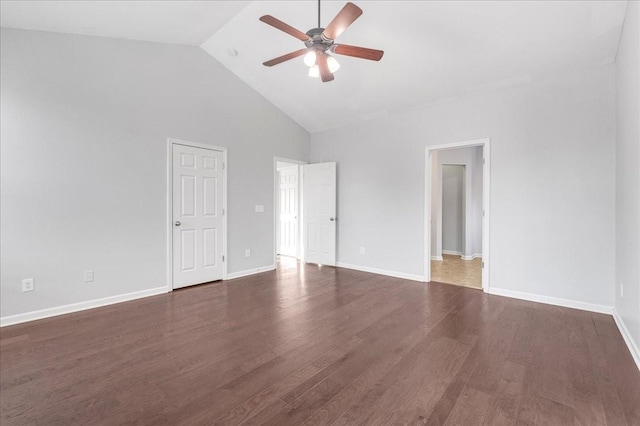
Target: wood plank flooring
{"type": "Point", "coordinates": [309, 345]}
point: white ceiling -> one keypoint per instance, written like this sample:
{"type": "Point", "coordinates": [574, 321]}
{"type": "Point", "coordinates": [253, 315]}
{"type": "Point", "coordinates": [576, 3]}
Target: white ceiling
{"type": "Point", "coordinates": [433, 49]}
{"type": "Point", "coordinates": [176, 22]}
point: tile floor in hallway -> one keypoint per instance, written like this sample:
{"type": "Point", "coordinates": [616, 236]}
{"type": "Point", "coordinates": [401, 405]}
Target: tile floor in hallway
{"type": "Point", "coordinates": [454, 270]}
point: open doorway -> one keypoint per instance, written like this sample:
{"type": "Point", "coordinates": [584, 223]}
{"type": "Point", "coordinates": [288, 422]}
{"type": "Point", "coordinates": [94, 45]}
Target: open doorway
{"type": "Point", "coordinates": [456, 207]}
{"type": "Point", "coordinates": [287, 208]}
{"type": "Point", "coordinates": [459, 261]}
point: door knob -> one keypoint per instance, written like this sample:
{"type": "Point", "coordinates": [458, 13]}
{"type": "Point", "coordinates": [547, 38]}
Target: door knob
{"type": "Point", "coordinates": [178, 223]}
{"type": "Point", "coordinates": [331, 219]}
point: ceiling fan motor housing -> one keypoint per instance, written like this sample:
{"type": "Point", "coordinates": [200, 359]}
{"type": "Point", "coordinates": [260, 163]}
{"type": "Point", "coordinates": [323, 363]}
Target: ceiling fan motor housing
{"type": "Point", "coordinates": [317, 40]}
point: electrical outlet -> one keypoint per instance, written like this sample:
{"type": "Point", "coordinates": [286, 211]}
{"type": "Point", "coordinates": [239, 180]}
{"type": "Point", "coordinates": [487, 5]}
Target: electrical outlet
{"type": "Point", "coordinates": [247, 253]}
{"type": "Point", "coordinates": [28, 285]}
{"type": "Point", "coordinates": [88, 276]}
{"type": "Point", "coordinates": [621, 290]}
{"type": "Point", "coordinates": [361, 250]}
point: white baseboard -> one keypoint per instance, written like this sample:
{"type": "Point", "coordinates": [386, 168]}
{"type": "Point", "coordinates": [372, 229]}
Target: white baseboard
{"type": "Point", "coordinates": [591, 307]}
{"type": "Point", "coordinates": [381, 272]}
{"type": "Point", "coordinates": [248, 272]}
{"type": "Point", "coordinates": [473, 256]}
{"type": "Point", "coordinates": [81, 306]}
{"type": "Point", "coordinates": [459, 253]}
{"type": "Point", "coordinates": [631, 344]}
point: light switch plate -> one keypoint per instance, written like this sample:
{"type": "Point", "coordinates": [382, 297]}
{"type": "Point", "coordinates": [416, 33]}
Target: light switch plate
{"type": "Point", "coordinates": [259, 208]}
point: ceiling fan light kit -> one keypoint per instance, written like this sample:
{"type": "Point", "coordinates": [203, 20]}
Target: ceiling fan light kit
{"type": "Point", "coordinates": [319, 43]}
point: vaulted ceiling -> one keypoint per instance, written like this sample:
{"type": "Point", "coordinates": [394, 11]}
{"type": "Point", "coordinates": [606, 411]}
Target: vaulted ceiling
{"type": "Point", "coordinates": [434, 50]}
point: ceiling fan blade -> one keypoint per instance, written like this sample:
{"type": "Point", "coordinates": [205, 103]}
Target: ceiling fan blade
{"type": "Point", "coordinates": [325, 74]}
{"type": "Point", "coordinates": [357, 52]}
{"type": "Point", "coordinates": [284, 58]}
{"type": "Point", "coordinates": [276, 23]}
{"type": "Point", "coordinates": [349, 13]}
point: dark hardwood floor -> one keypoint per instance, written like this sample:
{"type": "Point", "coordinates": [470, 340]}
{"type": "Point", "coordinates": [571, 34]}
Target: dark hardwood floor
{"type": "Point", "coordinates": [309, 345]}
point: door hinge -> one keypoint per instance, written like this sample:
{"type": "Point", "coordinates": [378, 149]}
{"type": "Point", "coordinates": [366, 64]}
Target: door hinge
{"type": "Point", "coordinates": [482, 213]}
{"type": "Point", "coordinates": [223, 166]}
{"type": "Point", "coordinates": [482, 265]}
{"type": "Point", "coordinates": [223, 212]}
{"type": "Point", "coordinates": [223, 257]}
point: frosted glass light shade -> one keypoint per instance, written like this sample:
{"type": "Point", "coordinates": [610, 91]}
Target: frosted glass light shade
{"type": "Point", "coordinates": [310, 58]}
{"type": "Point", "coordinates": [333, 64]}
{"type": "Point", "coordinates": [314, 71]}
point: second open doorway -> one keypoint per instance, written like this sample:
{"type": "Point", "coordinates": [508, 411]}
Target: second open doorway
{"type": "Point", "coordinates": [288, 208]}
{"type": "Point", "coordinates": [456, 203]}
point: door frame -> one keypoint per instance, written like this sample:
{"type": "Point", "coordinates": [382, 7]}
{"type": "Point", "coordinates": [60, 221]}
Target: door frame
{"type": "Point", "coordinates": [486, 205]}
{"type": "Point", "coordinates": [170, 143]}
{"type": "Point", "coordinates": [276, 204]}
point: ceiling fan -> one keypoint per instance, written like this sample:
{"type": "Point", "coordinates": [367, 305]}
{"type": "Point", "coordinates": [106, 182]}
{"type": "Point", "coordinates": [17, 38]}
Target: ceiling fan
{"type": "Point", "coordinates": [320, 41]}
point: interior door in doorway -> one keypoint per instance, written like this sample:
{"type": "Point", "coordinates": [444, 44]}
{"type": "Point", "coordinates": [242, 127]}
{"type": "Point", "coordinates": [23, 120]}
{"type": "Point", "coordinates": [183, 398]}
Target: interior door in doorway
{"type": "Point", "coordinates": [319, 208]}
{"type": "Point", "coordinates": [197, 215]}
{"type": "Point", "coordinates": [288, 211]}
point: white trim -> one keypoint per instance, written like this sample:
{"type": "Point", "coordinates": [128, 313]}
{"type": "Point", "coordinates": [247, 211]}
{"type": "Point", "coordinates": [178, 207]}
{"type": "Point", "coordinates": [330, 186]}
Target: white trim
{"type": "Point", "coordinates": [631, 344]}
{"type": "Point", "coordinates": [276, 185]}
{"type": "Point", "coordinates": [473, 256]}
{"type": "Point", "coordinates": [170, 143]}
{"type": "Point", "coordinates": [557, 301]}
{"type": "Point", "coordinates": [452, 252]}
{"type": "Point", "coordinates": [463, 144]}
{"type": "Point", "coordinates": [486, 197]}
{"type": "Point", "coordinates": [395, 274]}
{"type": "Point", "coordinates": [248, 272]}
{"type": "Point", "coordinates": [81, 306]}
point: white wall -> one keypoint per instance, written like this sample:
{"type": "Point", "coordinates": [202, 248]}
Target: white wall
{"type": "Point", "coordinates": [552, 184]}
{"type": "Point", "coordinates": [477, 201]}
{"type": "Point", "coordinates": [453, 209]}
{"type": "Point", "coordinates": [436, 218]}
{"type": "Point", "coordinates": [84, 124]}
{"type": "Point", "coordinates": [628, 176]}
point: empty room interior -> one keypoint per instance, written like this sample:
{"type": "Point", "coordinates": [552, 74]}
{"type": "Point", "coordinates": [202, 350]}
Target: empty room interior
{"type": "Point", "coordinates": [320, 212]}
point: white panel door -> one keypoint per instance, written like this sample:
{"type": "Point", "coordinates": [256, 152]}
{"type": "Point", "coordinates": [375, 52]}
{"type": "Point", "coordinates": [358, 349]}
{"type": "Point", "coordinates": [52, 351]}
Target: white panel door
{"type": "Point", "coordinates": [288, 211]}
{"type": "Point", "coordinates": [319, 208]}
{"type": "Point", "coordinates": [197, 215]}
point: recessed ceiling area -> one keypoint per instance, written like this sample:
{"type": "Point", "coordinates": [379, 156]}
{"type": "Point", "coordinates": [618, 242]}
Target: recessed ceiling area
{"type": "Point", "coordinates": [434, 50]}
